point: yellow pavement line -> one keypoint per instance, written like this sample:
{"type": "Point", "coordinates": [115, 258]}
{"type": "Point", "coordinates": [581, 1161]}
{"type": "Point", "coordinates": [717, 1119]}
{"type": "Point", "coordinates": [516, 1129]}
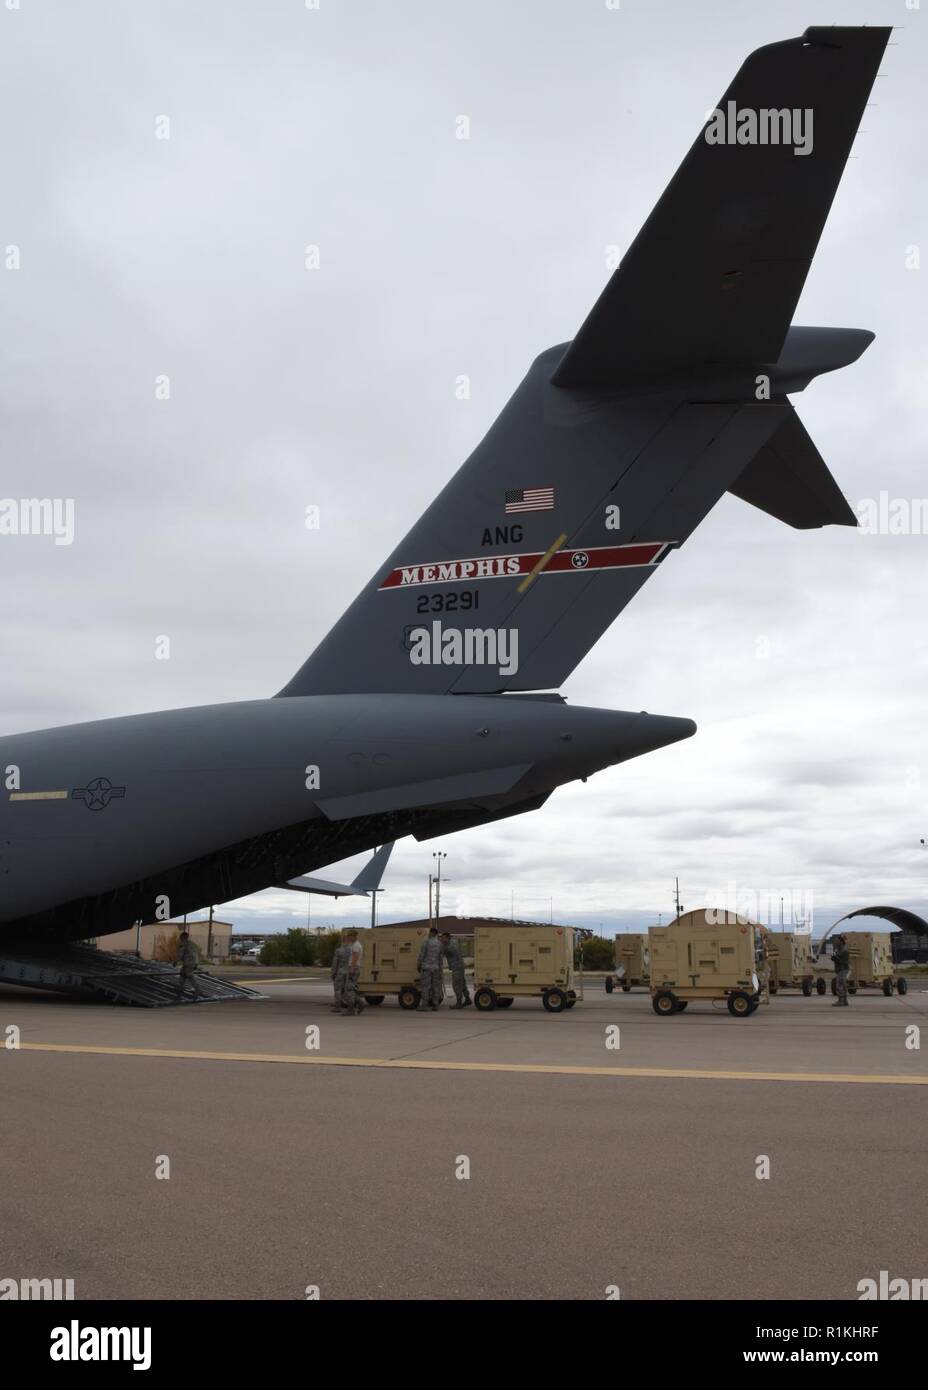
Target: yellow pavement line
{"type": "Point", "coordinates": [538, 1068]}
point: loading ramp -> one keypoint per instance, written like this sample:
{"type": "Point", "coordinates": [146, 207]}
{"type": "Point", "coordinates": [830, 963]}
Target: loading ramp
{"type": "Point", "coordinates": [109, 977]}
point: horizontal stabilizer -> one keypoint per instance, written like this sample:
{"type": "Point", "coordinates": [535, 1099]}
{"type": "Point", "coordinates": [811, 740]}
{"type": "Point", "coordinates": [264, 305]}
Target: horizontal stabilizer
{"type": "Point", "coordinates": [789, 479]}
{"type": "Point", "coordinates": [306, 883]}
{"type": "Point", "coordinates": [367, 881]}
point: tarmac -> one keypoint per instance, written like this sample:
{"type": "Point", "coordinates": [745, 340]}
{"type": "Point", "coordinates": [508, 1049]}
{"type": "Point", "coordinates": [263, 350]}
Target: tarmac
{"type": "Point", "coordinates": [461, 1155]}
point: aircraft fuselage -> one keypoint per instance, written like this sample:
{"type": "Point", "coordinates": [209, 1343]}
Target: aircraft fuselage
{"type": "Point", "coordinates": [106, 822]}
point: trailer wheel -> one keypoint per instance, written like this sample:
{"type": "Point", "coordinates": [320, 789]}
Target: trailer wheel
{"type": "Point", "coordinates": [664, 1003]}
{"type": "Point", "coordinates": [485, 1000]}
{"type": "Point", "coordinates": [820, 987]}
{"type": "Point", "coordinates": [902, 986]}
{"type": "Point", "coordinates": [739, 1004]}
{"type": "Point", "coordinates": [554, 1000]}
{"type": "Point", "coordinates": [571, 1003]}
{"type": "Point", "coordinates": [852, 986]}
{"type": "Point", "coordinates": [374, 998]}
{"type": "Point", "coordinates": [408, 997]}
{"type": "Point", "coordinates": [887, 988]}
{"type": "Point", "coordinates": [610, 984]}
{"type": "Point", "coordinates": [626, 988]}
{"type": "Point", "coordinates": [681, 1005]}
{"type": "Point", "coordinates": [806, 987]}
{"type": "Point", "coordinates": [504, 1003]}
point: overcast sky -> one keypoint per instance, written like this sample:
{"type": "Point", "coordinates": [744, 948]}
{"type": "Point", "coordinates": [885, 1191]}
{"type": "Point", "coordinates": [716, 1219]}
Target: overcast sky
{"type": "Point", "coordinates": [801, 655]}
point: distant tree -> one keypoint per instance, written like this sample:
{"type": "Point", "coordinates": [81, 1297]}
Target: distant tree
{"type": "Point", "coordinates": [274, 950]}
{"type": "Point", "coordinates": [293, 947]}
{"type": "Point", "coordinates": [166, 947]}
{"type": "Point", "coordinates": [598, 953]}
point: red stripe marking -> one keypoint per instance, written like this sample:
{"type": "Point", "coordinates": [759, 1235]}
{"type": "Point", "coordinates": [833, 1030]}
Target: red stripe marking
{"type": "Point", "coordinates": [513, 566]}
{"type": "Point", "coordinates": [605, 557]}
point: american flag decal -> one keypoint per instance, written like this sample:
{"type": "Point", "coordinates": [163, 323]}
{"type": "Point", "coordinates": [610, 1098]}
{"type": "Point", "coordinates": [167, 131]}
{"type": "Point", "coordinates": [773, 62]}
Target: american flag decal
{"type": "Point", "coordinates": [530, 499]}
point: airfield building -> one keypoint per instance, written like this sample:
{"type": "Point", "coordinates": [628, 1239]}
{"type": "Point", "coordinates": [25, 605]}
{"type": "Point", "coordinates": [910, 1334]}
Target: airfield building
{"type": "Point", "coordinates": [149, 940]}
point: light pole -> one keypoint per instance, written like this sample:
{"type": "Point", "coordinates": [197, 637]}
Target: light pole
{"type": "Point", "coordinates": [438, 854]}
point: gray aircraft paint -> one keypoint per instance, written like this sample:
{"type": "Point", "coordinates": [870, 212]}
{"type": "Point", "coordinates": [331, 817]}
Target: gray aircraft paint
{"type": "Point", "coordinates": [652, 408]}
{"type": "Point", "coordinates": [196, 781]}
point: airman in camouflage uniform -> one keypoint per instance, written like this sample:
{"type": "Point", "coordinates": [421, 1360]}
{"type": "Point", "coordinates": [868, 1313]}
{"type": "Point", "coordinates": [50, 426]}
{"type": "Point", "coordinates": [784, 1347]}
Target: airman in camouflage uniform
{"type": "Point", "coordinates": [455, 961]}
{"type": "Point", "coordinates": [352, 1002]}
{"type": "Point", "coordinates": [429, 967]}
{"type": "Point", "coordinates": [842, 961]}
{"type": "Point", "coordinates": [340, 959]}
{"type": "Point", "coordinates": [188, 961]}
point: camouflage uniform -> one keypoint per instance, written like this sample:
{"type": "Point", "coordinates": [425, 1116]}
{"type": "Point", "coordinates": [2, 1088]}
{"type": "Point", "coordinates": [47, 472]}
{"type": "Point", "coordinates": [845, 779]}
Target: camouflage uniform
{"type": "Point", "coordinates": [188, 961]}
{"type": "Point", "coordinates": [429, 966]}
{"type": "Point", "coordinates": [842, 960]}
{"type": "Point", "coordinates": [458, 981]}
{"type": "Point", "coordinates": [340, 958]}
{"type": "Point", "coordinates": [351, 1000]}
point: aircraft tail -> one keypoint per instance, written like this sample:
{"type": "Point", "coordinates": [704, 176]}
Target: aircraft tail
{"type": "Point", "coordinates": [369, 878]}
{"type": "Point", "coordinates": [716, 271]}
{"type": "Point", "coordinates": [615, 447]}
{"type": "Point", "coordinates": [538, 542]}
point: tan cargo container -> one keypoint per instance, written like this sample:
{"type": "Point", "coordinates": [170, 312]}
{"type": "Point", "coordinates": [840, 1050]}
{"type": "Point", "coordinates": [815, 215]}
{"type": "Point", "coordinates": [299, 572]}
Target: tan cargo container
{"type": "Point", "coordinates": [390, 964]}
{"type": "Point", "coordinates": [524, 962]}
{"type": "Point", "coordinates": [632, 962]}
{"type": "Point", "coordinates": [790, 961]}
{"type": "Point", "coordinates": [710, 955]}
{"type": "Point", "coordinates": [872, 965]}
